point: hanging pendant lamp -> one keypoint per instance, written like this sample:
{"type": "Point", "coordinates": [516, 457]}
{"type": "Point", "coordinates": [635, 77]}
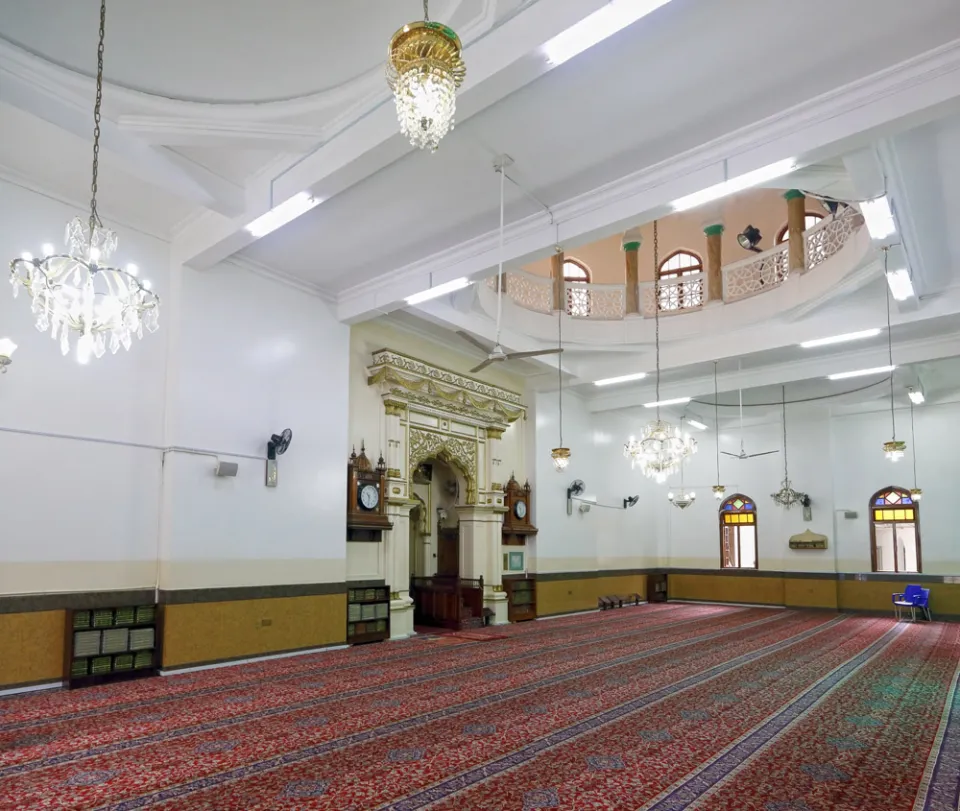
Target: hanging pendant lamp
{"type": "Point", "coordinates": [915, 492]}
{"type": "Point", "coordinates": [786, 496]}
{"type": "Point", "coordinates": [560, 455]}
{"type": "Point", "coordinates": [662, 447]}
{"type": "Point", "coordinates": [894, 449]}
{"type": "Point", "coordinates": [719, 491]}
{"type": "Point", "coordinates": [77, 292]}
{"type": "Point", "coordinates": [424, 71]}
{"type": "Point", "coordinates": [684, 498]}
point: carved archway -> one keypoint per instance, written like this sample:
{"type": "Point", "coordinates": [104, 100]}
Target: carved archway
{"type": "Point", "coordinates": [460, 454]}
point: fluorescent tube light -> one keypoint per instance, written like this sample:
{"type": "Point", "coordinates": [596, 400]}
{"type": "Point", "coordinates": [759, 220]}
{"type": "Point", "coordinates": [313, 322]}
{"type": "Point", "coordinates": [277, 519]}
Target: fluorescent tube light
{"type": "Point", "coordinates": [736, 184]}
{"type": "Point", "coordinates": [916, 396]}
{"type": "Point", "coordinates": [840, 339]}
{"type": "Point", "coordinates": [439, 290]}
{"type": "Point", "coordinates": [877, 370]}
{"type": "Point", "coordinates": [879, 218]}
{"type": "Point", "coordinates": [697, 424]}
{"type": "Point", "coordinates": [609, 381]}
{"type": "Point", "coordinates": [674, 401]}
{"type": "Point", "coordinates": [280, 215]}
{"type": "Point", "coordinates": [901, 286]}
{"type": "Point", "coordinates": [614, 16]}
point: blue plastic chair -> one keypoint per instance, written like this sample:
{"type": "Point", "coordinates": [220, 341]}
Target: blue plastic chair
{"type": "Point", "coordinates": [913, 597]}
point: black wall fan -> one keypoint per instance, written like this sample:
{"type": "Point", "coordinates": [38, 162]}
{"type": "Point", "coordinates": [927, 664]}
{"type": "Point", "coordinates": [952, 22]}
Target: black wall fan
{"type": "Point", "coordinates": [277, 445]}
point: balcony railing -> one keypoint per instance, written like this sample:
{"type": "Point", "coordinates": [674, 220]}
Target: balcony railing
{"type": "Point", "coordinates": [747, 277]}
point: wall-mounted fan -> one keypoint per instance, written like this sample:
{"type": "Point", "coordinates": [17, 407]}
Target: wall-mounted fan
{"type": "Point", "coordinates": [630, 502]}
{"type": "Point", "coordinates": [276, 446]}
{"type": "Point", "coordinates": [575, 489]}
{"type": "Point", "coordinates": [495, 353]}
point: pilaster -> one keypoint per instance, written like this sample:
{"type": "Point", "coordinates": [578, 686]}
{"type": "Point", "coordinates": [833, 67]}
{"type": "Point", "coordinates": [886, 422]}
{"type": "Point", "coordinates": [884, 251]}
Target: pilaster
{"type": "Point", "coordinates": [631, 258]}
{"type": "Point", "coordinates": [796, 224]}
{"type": "Point", "coordinates": [556, 273]}
{"type": "Point", "coordinates": [714, 235]}
{"type": "Point", "coordinates": [397, 554]}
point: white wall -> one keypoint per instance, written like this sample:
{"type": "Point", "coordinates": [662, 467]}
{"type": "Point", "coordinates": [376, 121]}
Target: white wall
{"type": "Point", "coordinates": [81, 505]}
{"type": "Point", "coordinates": [836, 459]}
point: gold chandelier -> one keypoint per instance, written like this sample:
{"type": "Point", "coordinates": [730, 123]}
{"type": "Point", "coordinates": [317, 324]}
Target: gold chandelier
{"type": "Point", "coordinates": [424, 71]}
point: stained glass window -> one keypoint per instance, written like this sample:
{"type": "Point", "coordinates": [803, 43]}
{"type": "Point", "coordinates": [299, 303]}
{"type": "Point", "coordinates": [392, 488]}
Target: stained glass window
{"type": "Point", "coordinates": [895, 531]}
{"type": "Point", "coordinates": [738, 533]}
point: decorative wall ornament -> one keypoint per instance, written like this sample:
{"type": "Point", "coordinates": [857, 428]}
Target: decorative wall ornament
{"type": "Point", "coordinates": [455, 451]}
{"type": "Point", "coordinates": [808, 540]}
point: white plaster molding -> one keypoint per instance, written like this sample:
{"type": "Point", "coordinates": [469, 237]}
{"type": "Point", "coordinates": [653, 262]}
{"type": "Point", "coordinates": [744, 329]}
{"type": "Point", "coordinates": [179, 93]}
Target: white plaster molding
{"type": "Point", "coordinates": [278, 276]}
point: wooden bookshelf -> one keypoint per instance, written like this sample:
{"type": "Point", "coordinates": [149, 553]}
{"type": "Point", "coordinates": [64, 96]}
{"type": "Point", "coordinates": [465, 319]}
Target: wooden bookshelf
{"type": "Point", "coordinates": [111, 644]}
{"type": "Point", "coordinates": [521, 598]}
{"type": "Point", "coordinates": [368, 614]}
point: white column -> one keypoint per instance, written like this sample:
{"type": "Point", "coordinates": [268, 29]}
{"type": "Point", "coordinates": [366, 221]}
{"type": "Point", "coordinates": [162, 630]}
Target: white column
{"type": "Point", "coordinates": [480, 556]}
{"type": "Point", "coordinates": [397, 553]}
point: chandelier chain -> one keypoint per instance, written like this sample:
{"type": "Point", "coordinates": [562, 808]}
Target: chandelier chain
{"type": "Point", "coordinates": [560, 372]}
{"type": "Point", "coordinates": [893, 414]}
{"type": "Point", "coordinates": [716, 416]}
{"type": "Point", "coordinates": [656, 303]}
{"type": "Point", "coordinates": [94, 216]}
{"type": "Point", "coordinates": [426, 11]}
{"type": "Point", "coordinates": [783, 400]}
{"type": "Point", "coordinates": [913, 442]}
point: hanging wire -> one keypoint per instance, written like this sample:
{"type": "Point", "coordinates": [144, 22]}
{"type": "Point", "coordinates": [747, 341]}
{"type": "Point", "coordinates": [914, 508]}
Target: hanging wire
{"type": "Point", "coordinates": [94, 216]}
{"type": "Point", "coordinates": [913, 444]}
{"type": "Point", "coordinates": [500, 265]}
{"type": "Point", "coordinates": [426, 11]}
{"type": "Point", "coordinates": [783, 400]}
{"type": "Point", "coordinates": [819, 397]}
{"type": "Point", "coordinates": [560, 371]}
{"type": "Point", "coordinates": [716, 417]}
{"type": "Point", "coordinates": [893, 413]}
{"type": "Point", "coordinates": [656, 303]}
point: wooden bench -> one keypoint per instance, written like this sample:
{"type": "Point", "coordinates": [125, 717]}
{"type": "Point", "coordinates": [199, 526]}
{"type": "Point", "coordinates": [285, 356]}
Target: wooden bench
{"type": "Point", "coordinates": [617, 601]}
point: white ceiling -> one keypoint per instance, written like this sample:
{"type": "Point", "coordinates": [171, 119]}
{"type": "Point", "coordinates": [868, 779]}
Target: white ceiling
{"type": "Point", "coordinates": [217, 110]}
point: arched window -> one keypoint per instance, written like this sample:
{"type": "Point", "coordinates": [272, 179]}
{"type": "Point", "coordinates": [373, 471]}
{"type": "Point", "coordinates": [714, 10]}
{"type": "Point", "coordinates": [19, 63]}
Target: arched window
{"type": "Point", "coordinates": [738, 533]}
{"type": "Point", "coordinates": [809, 221]}
{"type": "Point", "coordinates": [895, 531]}
{"type": "Point", "coordinates": [578, 298]}
{"type": "Point", "coordinates": [676, 294]}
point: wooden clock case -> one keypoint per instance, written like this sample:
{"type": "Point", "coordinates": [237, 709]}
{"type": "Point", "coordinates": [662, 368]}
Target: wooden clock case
{"type": "Point", "coordinates": [365, 524]}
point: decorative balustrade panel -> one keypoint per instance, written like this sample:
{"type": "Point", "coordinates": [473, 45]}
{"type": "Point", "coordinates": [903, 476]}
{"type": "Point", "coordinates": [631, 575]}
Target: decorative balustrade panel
{"type": "Point", "coordinates": [603, 302]}
{"type": "Point", "coordinates": [829, 236]}
{"type": "Point", "coordinates": [679, 294]}
{"type": "Point", "coordinates": [527, 291]}
{"type": "Point", "coordinates": [756, 274]}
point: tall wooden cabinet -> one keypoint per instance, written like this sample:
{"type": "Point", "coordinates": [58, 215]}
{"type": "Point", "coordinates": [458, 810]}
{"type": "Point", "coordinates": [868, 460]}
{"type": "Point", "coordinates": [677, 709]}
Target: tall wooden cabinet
{"type": "Point", "coordinates": [521, 598]}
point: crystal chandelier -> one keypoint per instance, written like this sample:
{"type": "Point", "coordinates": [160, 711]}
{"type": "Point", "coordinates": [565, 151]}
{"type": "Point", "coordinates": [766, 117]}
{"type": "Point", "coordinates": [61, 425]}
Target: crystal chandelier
{"type": "Point", "coordinates": [894, 449]}
{"type": "Point", "coordinates": [77, 291]}
{"type": "Point", "coordinates": [719, 491]}
{"type": "Point", "coordinates": [786, 496]}
{"type": "Point", "coordinates": [561, 455]}
{"type": "Point", "coordinates": [7, 348]}
{"type": "Point", "coordinates": [662, 448]}
{"type": "Point", "coordinates": [424, 70]}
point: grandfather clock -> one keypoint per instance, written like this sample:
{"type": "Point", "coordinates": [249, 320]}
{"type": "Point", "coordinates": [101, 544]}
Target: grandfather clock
{"type": "Point", "coordinates": [516, 523]}
{"type": "Point", "coordinates": [366, 502]}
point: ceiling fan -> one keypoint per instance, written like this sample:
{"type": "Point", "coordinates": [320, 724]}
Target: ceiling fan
{"type": "Point", "coordinates": [743, 454]}
{"type": "Point", "coordinates": [495, 353]}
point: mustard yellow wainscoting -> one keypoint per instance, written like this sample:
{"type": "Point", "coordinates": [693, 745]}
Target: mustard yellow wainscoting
{"type": "Point", "coordinates": [199, 633]}
{"type": "Point", "coordinates": [870, 595]}
{"type": "Point", "coordinates": [31, 648]}
{"type": "Point", "coordinates": [722, 588]}
{"type": "Point", "coordinates": [808, 592]}
{"type": "Point", "coordinates": [558, 594]}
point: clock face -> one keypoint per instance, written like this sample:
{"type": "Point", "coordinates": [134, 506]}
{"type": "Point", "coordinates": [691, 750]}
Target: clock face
{"type": "Point", "coordinates": [520, 509]}
{"type": "Point", "coordinates": [369, 496]}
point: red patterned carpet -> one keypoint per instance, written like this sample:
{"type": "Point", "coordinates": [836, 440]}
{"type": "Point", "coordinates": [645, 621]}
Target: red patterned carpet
{"type": "Point", "coordinates": [655, 708]}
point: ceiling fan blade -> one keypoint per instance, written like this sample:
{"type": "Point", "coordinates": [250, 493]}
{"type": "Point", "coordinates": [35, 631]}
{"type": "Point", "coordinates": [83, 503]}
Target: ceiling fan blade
{"type": "Point", "coordinates": [483, 365]}
{"type": "Point", "coordinates": [765, 453]}
{"type": "Point", "coordinates": [470, 339]}
{"type": "Point", "coordinates": [734, 455]}
{"type": "Point", "coordinates": [534, 354]}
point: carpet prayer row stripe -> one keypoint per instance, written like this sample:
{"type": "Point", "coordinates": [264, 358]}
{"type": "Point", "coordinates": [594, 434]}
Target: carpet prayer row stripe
{"type": "Point", "coordinates": [422, 720]}
{"type": "Point", "coordinates": [724, 766]}
{"type": "Point", "coordinates": [169, 735]}
{"type": "Point", "coordinates": [563, 736]}
{"type": "Point", "coordinates": [942, 791]}
{"type": "Point", "coordinates": [170, 688]}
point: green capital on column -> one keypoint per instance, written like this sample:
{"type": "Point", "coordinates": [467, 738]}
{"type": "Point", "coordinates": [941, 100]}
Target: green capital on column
{"type": "Point", "coordinates": [631, 246]}
{"type": "Point", "coordinates": [713, 230]}
{"type": "Point", "coordinates": [793, 194]}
